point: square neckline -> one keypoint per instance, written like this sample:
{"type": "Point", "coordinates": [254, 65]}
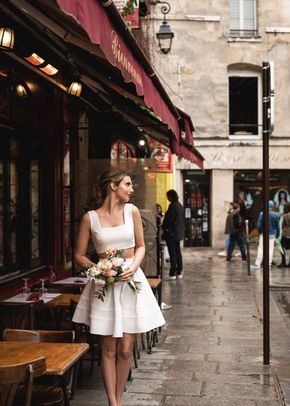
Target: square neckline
{"type": "Point", "coordinates": [109, 228]}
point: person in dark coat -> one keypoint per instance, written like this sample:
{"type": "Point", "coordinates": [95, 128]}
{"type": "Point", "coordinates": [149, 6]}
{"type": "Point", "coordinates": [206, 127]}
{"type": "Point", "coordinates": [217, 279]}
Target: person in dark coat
{"type": "Point", "coordinates": [234, 223]}
{"type": "Point", "coordinates": [173, 233]}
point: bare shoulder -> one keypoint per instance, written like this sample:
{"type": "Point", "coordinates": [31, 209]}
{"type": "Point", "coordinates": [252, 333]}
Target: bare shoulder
{"type": "Point", "coordinates": [135, 212]}
{"type": "Point", "coordinates": [135, 208]}
{"type": "Point", "coordinates": [86, 219]}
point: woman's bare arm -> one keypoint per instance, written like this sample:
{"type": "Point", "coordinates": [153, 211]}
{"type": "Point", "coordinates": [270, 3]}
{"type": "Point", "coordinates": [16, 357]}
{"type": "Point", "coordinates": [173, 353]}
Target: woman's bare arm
{"type": "Point", "coordinates": [139, 246]}
{"type": "Point", "coordinates": [82, 242]}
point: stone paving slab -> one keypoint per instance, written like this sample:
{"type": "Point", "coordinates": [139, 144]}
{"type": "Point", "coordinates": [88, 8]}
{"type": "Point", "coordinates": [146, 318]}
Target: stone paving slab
{"type": "Point", "coordinates": [166, 387]}
{"type": "Point", "coordinates": [252, 391]}
{"type": "Point", "coordinates": [214, 401]}
{"type": "Point", "coordinates": [180, 375]}
{"type": "Point", "coordinates": [190, 366]}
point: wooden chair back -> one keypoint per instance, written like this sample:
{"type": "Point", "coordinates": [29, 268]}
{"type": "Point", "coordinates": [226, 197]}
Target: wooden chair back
{"type": "Point", "coordinates": [57, 336]}
{"type": "Point", "coordinates": [14, 377]}
{"type": "Point", "coordinates": [81, 330]}
{"type": "Point", "coordinates": [21, 315]}
{"type": "Point", "coordinates": [38, 336]}
{"type": "Point", "coordinates": [10, 334]}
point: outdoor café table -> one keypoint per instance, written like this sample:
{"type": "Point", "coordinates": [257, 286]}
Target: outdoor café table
{"type": "Point", "coordinates": [59, 304]}
{"type": "Point", "coordinates": [60, 357]}
{"type": "Point", "coordinates": [73, 280]}
{"type": "Point", "coordinates": [63, 300]}
{"type": "Point", "coordinates": [23, 299]}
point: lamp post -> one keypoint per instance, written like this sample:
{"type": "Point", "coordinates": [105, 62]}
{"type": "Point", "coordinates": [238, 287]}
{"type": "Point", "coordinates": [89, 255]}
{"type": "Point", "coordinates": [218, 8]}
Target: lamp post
{"type": "Point", "coordinates": [164, 35]}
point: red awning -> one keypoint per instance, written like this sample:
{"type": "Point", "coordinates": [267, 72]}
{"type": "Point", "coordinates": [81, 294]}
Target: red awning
{"type": "Point", "coordinates": [92, 15]}
{"type": "Point", "coordinates": [184, 146]}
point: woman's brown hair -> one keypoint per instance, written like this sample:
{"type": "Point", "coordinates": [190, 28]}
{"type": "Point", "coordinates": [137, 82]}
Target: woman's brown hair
{"type": "Point", "coordinates": [114, 175]}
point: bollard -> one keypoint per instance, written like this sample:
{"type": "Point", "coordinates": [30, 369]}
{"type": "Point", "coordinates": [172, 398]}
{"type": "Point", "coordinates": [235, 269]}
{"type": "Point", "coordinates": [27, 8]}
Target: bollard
{"type": "Point", "coordinates": [248, 247]}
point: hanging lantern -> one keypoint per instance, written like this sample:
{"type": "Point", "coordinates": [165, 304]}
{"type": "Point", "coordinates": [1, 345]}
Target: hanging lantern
{"type": "Point", "coordinates": [75, 89]}
{"type": "Point", "coordinates": [6, 38]}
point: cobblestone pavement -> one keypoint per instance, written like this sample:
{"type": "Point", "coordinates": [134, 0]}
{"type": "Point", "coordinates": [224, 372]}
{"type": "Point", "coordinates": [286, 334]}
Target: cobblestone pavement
{"type": "Point", "coordinates": [210, 350]}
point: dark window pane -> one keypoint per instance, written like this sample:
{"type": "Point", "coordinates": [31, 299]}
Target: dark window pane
{"type": "Point", "coordinates": [243, 105]}
{"type": "Point", "coordinates": [1, 215]}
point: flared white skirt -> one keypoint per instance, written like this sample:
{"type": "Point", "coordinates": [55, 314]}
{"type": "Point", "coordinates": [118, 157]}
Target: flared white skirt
{"type": "Point", "coordinates": [122, 310]}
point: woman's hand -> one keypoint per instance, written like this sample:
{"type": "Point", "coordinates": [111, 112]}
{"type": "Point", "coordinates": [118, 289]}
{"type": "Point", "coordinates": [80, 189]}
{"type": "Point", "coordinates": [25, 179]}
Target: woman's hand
{"type": "Point", "coordinates": [127, 275]}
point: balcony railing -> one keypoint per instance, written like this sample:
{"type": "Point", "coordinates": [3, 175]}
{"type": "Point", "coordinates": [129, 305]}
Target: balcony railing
{"type": "Point", "coordinates": [243, 33]}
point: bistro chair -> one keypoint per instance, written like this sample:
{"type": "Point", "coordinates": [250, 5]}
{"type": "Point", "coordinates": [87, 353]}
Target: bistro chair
{"type": "Point", "coordinates": [42, 395]}
{"type": "Point", "coordinates": [11, 378]}
{"type": "Point", "coordinates": [39, 336]}
{"type": "Point", "coordinates": [152, 335]}
{"type": "Point", "coordinates": [49, 336]}
{"type": "Point", "coordinates": [21, 315]}
{"type": "Point", "coordinates": [17, 388]}
{"type": "Point", "coordinates": [83, 335]}
{"type": "Point", "coordinates": [10, 334]}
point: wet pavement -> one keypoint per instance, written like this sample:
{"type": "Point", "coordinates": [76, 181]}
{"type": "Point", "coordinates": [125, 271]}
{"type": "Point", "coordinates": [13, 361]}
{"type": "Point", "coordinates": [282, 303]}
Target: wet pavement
{"type": "Point", "coordinates": [210, 351]}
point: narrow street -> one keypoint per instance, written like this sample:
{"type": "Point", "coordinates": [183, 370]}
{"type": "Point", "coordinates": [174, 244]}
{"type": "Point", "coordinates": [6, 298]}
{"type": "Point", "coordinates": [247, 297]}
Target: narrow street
{"type": "Point", "coordinates": [210, 351]}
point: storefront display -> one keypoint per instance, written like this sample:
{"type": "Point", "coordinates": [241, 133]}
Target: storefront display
{"type": "Point", "coordinates": [196, 206]}
{"type": "Point", "coordinates": [248, 192]}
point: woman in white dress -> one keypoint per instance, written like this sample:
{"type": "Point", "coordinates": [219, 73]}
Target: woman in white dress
{"type": "Point", "coordinates": [122, 314]}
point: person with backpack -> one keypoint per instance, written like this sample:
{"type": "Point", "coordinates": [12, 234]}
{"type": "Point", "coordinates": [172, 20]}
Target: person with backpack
{"type": "Point", "coordinates": [274, 232]}
{"type": "Point", "coordinates": [234, 222]}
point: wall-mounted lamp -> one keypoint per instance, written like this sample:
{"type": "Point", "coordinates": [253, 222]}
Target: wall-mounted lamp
{"type": "Point", "coordinates": [49, 69]}
{"type": "Point", "coordinates": [6, 38]}
{"type": "Point", "coordinates": [142, 143]}
{"type": "Point", "coordinates": [75, 89]}
{"type": "Point", "coordinates": [37, 60]}
{"type": "Point", "coordinates": [21, 91]}
{"type": "Point", "coordinates": [164, 35]}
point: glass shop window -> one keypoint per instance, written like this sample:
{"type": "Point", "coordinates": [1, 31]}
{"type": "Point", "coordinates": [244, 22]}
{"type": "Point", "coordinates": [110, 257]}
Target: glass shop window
{"type": "Point", "coordinates": [20, 208]}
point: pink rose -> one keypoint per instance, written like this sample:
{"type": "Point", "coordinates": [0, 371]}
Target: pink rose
{"type": "Point", "coordinates": [109, 272]}
{"type": "Point", "coordinates": [117, 261]}
{"type": "Point", "coordinates": [106, 265]}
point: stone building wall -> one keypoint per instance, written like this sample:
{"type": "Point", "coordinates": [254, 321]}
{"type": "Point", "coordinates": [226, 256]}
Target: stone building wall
{"type": "Point", "coordinates": [195, 75]}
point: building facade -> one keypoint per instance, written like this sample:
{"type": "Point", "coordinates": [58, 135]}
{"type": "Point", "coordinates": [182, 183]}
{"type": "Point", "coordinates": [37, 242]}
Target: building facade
{"type": "Point", "coordinates": [214, 72]}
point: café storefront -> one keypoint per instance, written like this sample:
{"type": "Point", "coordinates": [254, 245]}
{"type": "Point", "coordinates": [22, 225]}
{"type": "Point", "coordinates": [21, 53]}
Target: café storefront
{"type": "Point", "coordinates": [53, 144]}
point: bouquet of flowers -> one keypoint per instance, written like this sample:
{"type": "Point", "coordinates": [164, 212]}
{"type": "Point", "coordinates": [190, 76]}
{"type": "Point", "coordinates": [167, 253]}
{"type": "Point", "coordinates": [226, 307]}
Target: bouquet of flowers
{"type": "Point", "coordinates": [108, 271]}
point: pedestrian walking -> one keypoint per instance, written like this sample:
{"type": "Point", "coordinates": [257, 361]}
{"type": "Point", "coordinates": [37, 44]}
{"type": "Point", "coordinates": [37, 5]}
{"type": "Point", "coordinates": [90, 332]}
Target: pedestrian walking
{"type": "Point", "coordinates": [285, 235]}
{"type": "Point", "coordinates": [173, 233]}
{"type": "Point", "coordinates": [159, 220]}
{"type": "Point", "coordinates": [274, 232]}
{"type": "Point", "coordinates": [116, 224]}
{"type": "Point", "coordinates": [234, 224]}
{"type": "Point", "coordinates": [227, 235]}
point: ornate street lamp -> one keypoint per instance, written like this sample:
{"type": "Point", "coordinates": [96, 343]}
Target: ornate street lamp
{"type": "Point", "coordinates": [164, 35]}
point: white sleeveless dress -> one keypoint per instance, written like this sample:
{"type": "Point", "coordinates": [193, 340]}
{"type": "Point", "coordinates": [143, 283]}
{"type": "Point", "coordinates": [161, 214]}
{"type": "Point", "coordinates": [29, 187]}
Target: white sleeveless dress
{"type": "Point", "coordinates": [122, 310]}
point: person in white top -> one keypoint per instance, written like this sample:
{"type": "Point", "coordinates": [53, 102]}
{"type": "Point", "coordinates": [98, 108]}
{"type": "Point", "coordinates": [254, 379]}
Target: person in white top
{"type": "Point", "coordinates": [122, 314]}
